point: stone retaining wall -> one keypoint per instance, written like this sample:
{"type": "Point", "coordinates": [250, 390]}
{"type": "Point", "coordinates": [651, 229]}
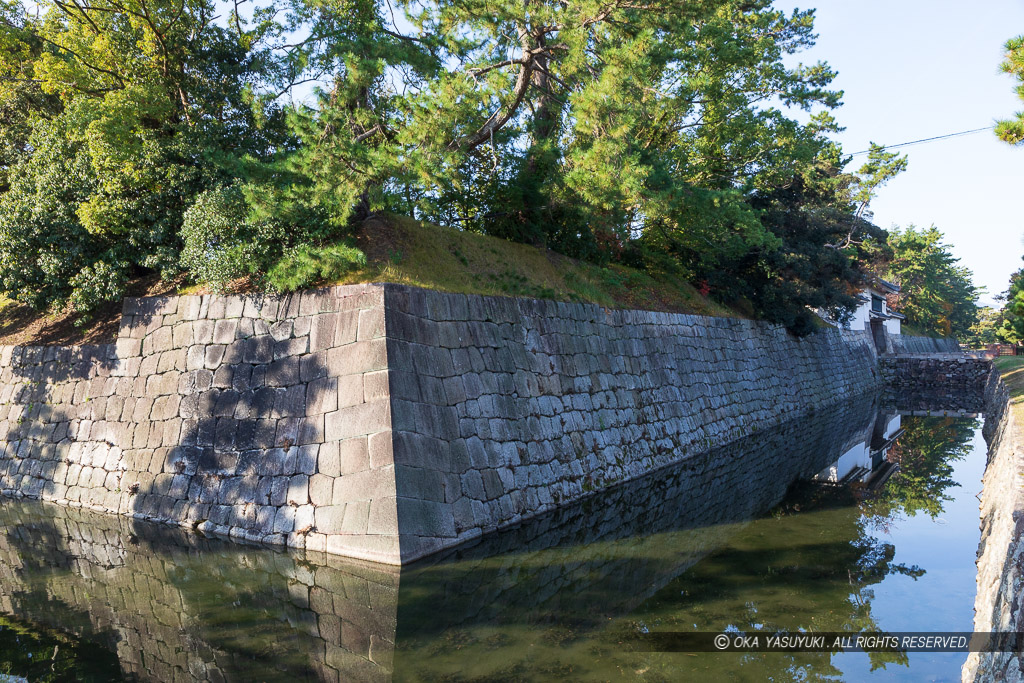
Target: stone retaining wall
{"type": "Point", "coordinates": [387, 422]}
{"type": "Point", "coordinates": [930, 379]}
{"type": "Point", "coordinates": [239, 416]}
{"type": "Point", "coordinates": [503, 408]}
{"type": "Point", "coordinates": [998, 606]}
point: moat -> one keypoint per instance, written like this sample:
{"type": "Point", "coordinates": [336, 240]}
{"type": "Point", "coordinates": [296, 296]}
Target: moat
{"type": "Point", "coordinates": [855, 520]}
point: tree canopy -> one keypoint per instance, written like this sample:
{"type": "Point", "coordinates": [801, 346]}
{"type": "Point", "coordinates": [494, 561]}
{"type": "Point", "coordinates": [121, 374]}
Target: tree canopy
{"type": "Point", "coordinates": [1010, 322]}
{"type": "Point", "coordinates": [1012, 130]}
{"type": "Point", "coordinates": [230, 141]}
{"type": "Point", "coordinates": [936, 294]}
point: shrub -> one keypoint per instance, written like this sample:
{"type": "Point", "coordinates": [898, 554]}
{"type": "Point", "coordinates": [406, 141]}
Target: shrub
{"type": "Point", "coordinates": [96, 283]}
{"type": "Point", "coordinates": [305, 265]}
{"type": "Point", "coordinates": [221, 242]}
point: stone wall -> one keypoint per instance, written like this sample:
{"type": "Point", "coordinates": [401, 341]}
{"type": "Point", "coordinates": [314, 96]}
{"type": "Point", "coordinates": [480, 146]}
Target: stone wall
{"type": "Point", "coordinates": [998, 606]}
{"type": "Point", "coordinates": [905, 343]}
{"type": "Point", "coordinates": [502, 408]}
{"type": "Point", "coordinates": [387, 422]}
{"type": "Point", "coordinates": [937, 379]}
{"type": "Point", "coordinates": [251, 417]}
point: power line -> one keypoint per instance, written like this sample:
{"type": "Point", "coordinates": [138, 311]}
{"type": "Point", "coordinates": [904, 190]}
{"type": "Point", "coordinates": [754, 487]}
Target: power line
{"type": "Point", "coordinates": [937, 137]}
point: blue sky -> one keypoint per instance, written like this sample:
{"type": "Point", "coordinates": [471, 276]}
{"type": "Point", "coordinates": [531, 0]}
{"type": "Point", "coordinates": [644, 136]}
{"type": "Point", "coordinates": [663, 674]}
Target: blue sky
{"type": "Point", "coordinates": [912, 69]}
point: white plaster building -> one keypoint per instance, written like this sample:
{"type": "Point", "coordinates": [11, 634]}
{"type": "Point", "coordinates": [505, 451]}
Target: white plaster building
{"type": "Point", "coordinates": [874, 310]}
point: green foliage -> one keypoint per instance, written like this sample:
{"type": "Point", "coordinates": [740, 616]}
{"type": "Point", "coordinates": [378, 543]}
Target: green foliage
{"type": "Point", "coordinates": [141, 136]}
{"type": "Point", "coordinates": [123, 112]}
{"type": "Point", "coordinates": [221, 243]}
{"type": "Point", "coordinates": [606, 123]}
{"type": "Point", "coordinates": [1011, 327]}
{"type": "Point", "coordinates": [96, 283]}
{"type": "Point", "coordinates": [814, 261]}
{"type": "Point", "coordinates": [880, 168]}
{"type": "Point", "coordinates": [926, 452]}
{"type": "Point", "coordinates": [988, 328]}
{"type": "Point", "coordinates": [936, 294]}
{"type": "Point", "coordinates": [306, 265]}
{"type": "Point", "coordinates": [1012, 130]}
{"type": "Point", "coordinates": [35, 652]}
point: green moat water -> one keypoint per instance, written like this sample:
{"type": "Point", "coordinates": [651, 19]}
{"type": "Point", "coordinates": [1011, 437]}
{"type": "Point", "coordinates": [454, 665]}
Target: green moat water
{"type": "Point", "coordinates": [827, 524]}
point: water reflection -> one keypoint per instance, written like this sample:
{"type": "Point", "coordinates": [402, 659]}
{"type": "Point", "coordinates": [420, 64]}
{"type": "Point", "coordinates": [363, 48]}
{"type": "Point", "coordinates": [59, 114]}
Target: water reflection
{"type": "Point", "coordinates": [690, 548]}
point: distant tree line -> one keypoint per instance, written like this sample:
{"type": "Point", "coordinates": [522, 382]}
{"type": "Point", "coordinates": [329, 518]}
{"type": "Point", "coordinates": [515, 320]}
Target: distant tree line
{"type": "Point", "coordinates": [231, 140]}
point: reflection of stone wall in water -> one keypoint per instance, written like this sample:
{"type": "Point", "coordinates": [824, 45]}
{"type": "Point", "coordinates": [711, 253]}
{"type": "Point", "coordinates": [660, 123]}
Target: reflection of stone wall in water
{"type": "Point", "coordinates": [387, 422]}
{"type": "Point", "coordinates": [602, 557]}
{"type": "Point", "coordinates": [177, 607]}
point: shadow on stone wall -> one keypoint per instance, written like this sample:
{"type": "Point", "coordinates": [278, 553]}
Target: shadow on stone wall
{"type": "Point", "coordinates": [252, 428]}
{"type": "Point", "coordinates": [211, 412]}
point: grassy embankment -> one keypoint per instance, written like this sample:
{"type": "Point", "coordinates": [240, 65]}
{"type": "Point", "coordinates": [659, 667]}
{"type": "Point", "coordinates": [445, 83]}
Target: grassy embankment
{"type": "Point", "coordinates": [404, 251]}
{"type": "Point", "coordinates": [1012, 370]}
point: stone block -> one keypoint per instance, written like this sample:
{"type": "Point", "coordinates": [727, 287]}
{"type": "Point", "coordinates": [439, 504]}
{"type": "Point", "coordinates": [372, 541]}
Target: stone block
{"type": "Point", "coordinates": [321, 490]}
{"type": "Point", "coordinates": [279, 490]}
{"type": "Point", "coordinates": [287, 431]}
{"type": "Point", "coordinates": [366, 485]}
{"type": "Point", "coordinates": [127, 348]}
{"type": "Point", "coordinates": [383, 518]}
{"type": "Point", "coordinates": [290, 348]}
{"type": "Point", "coordinates": [311, 430]}
{"type": "Point", "coordinates": [329, 519]}
{"type": "Point", "coordinates": [322, 331]}
{"type": "Point", "coordinates": [298, 490]}
{"type": "Point", "coordinates": [371, 324]}
{"type": "Point", "coordinates": [306, 459]}
{"type": "Point", "coordinates": [284, 521]}
{"type": "Point", "coordinates": [202, 331]}
{"type": "Point", "coordinates": [290, 402]}
{"type": "Point", "coordinates": [281, 330]}
{"type": "Point", "coordinates": [357, 357]}
{"type": "Point", "coordinates": [313, 366]}
{"type": "Point", "coordinates": [357, 518]}
{"type": "Point", "coordinates": [353, 456]}
{"type": "Point", "coordinates": [358, 420]}
{"type": "Point", "coordinates": [283, 373]}
{"type": "Point", "coordinates": [224, 331]}
{"type": "Point", "coordinates": [305, 518]}
{"type": "Point", "coordinates": [381, 449]}
{"type": "Point", "coordinates": [322, 396]}
{"type": "Point", "coordinates": [419, 482]}
{"type": "Point", "coordinates": [258, 350]}
{"type": "Point", "coordinates": [214, 355]}
{"type": "Point", "coordinates": [196, 357]}
{"type": "Point", "coordinates": [376, 385]}
{"type": "Point", "coordinates": [347, 327]}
